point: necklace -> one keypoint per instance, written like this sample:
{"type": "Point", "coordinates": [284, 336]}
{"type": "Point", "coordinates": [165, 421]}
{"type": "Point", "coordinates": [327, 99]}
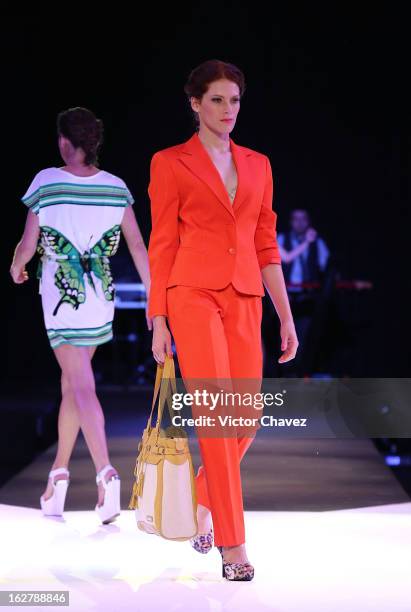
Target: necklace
{"type": "Point", "coordinates": [232, 193]}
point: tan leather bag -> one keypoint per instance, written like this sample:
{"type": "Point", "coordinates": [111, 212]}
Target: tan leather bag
{"type": "Point", "coordinates": [164, 491]}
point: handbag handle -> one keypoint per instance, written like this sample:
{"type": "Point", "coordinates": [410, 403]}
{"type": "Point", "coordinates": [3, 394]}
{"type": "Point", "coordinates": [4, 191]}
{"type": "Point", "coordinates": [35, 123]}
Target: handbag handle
{"type": "Point", "coordinates": [168, 385]}
{"type": "Point", "coordinates": [165, 376]}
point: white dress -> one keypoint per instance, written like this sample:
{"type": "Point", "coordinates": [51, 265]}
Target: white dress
{"type": "Point", "coordinates": [79, 218]}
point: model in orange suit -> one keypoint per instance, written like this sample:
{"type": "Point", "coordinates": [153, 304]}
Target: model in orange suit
{"type": "Point", "coordinates": [212, 250]}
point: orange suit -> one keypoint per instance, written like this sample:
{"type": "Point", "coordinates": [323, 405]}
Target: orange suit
{"type": "Point", "coordinates": [206, 255]}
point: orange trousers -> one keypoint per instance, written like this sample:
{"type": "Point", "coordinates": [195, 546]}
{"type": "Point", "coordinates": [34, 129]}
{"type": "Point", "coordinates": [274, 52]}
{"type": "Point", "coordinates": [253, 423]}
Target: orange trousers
{"type": "Point", "coordinates": [217, 334]}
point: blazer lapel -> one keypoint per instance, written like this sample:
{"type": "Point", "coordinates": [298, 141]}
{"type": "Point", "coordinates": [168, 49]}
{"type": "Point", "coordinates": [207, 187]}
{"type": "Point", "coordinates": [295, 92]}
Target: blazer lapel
{"type": "Point", "coordinates": [244, 184]}
{"type": "Point", "coordinates": [195, 157]}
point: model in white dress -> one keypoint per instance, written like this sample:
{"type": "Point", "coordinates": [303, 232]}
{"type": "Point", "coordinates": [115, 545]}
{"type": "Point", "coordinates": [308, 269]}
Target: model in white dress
{"type": "Point", "coordinates": [75, 217]}
{"type": "Point", "coordinates": [79, 219]}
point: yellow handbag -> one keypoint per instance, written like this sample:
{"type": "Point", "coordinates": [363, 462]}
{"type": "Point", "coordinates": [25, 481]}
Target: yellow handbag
{"type": "Point", "coordinates": [164, 492]}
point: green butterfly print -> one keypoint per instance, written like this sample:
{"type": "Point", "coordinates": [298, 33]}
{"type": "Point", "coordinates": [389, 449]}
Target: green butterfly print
{"type": "Point", "coordinates": [69, 277]}
{"type": "Point", "coordinates": [69, 281]}
{"type": "Point", "coordinates": [105, 247]}
{"type": "Point", "coordinates": [40, 251]}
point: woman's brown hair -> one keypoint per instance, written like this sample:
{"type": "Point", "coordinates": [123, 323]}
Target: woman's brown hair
{"type": "Point", "coordinates": [82, 128]}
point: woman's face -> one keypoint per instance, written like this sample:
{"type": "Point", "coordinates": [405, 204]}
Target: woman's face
{"type": "Point", "coordinates": [218, 108]}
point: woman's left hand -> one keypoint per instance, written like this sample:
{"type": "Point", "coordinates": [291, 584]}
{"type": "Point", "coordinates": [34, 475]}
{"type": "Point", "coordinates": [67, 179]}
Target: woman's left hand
{"type": "Point", "coordinates": [18, 274]}
{"type": "Point", "coordinates": [289, 341]}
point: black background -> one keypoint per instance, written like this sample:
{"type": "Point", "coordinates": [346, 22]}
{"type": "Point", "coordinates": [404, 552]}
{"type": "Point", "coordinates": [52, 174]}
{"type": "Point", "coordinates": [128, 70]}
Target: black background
{"type": "Point", "coordinates": [325, 100]}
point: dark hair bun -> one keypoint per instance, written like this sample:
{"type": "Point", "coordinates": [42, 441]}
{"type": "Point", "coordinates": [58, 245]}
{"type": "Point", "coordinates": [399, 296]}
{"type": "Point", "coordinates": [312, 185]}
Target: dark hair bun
{"type": "Point", "coordinates": [83, 129]}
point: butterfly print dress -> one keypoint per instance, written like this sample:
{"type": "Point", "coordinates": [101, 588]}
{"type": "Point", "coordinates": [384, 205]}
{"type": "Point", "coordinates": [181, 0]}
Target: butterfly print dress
{"type": "Point", "coordinates": [79, 220]}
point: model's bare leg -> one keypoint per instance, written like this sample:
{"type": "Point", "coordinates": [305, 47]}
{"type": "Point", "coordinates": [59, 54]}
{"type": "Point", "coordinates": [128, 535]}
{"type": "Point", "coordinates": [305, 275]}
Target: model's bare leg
{"type": "Point", "coordinates": [68, 429]}
{"type": "Point", "coordinates": [80, 408]}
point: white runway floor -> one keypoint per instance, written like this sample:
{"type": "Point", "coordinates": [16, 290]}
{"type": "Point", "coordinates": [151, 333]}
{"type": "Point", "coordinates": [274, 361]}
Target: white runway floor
{"type": "Point", "coordinates": [340, 561]}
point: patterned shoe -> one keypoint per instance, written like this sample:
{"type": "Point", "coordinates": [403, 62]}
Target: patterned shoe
{"type": "Point", "coordinates": [236, 571]}
{"type": "Point", "coordinates": [203, 542]}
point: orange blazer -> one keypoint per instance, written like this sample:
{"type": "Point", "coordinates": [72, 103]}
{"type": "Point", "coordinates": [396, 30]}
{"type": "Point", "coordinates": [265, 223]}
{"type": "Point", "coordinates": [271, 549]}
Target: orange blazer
{"type": "Point", "coordinates": [198, 237]}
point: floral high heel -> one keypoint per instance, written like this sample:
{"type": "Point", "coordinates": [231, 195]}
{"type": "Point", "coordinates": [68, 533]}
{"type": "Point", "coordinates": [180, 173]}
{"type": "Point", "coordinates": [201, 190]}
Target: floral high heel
{"type": "Point", "coordinates": [203, 542]}
{"type": "Point", "coordinates": [236, 571]}
{"type": "Point", "coordinates": [54, 505]}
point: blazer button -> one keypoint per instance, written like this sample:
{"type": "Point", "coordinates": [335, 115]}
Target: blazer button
{"type": "Point", "coordinates": [231, 250]}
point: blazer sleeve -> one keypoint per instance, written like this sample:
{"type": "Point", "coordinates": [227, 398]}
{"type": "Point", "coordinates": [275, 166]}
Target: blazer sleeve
{"type": "Point", "coordinates": [265, 238]}
{"type": "Point", "coordinates": [164, 237]}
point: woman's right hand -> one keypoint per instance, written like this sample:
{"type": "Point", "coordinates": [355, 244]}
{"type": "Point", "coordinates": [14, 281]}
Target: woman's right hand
{"type": "Point", "coordinates": [311, 234]}
{"type": "Point", "coordinates": [18, 274]}
{"type": "Point", "coordinates": [161, 339]}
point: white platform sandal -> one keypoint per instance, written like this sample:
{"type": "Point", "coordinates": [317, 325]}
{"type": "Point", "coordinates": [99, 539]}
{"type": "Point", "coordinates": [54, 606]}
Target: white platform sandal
{"type": "Point", "coordinates": [110, 509]}
{"type": "Point", "coordinates": [54, 505]}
